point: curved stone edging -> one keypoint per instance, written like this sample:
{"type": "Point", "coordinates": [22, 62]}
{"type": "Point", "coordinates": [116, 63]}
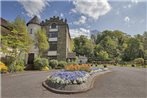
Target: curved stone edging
{"type": "Point", "coordinates": [71, 89]}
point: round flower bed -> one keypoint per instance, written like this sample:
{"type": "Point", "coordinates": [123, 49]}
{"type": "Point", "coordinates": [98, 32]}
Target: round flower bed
{"type": "Point", "coordinates": [69, 77]}
{"type": "Point", "coordinates": [73, 81]}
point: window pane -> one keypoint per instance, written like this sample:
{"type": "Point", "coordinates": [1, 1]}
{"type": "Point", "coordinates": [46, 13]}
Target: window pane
{"type": "Point", "coordinates": [53, 26]}
{"type": "Point", "coordinates": [53, 46]}
{"type": "Point", "coordinates": [53, 34]}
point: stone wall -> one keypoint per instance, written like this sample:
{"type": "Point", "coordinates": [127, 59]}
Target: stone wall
{"type": "Point", "coordinates": [61, 44]}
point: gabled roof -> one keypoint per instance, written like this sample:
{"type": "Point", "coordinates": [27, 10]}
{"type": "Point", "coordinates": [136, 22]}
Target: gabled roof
{"type": "Point", "coordinates": [34, 20]}
{"type": "Point", "coordinates": [6, 26]}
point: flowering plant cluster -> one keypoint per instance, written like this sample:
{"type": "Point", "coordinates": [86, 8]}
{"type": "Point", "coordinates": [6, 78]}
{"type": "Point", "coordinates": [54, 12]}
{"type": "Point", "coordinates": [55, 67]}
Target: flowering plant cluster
{"type": "Point", "coordinates": [3, 67]}
{"type": "Point", "coordinates": [82, 67]}
{"type": "Point", "coordinates": [95, 70]}
{"type": "Point", "coordinates": [69, 77]}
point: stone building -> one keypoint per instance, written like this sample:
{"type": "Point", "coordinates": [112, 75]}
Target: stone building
{"type": "Point", "coordinates": [59, 38]}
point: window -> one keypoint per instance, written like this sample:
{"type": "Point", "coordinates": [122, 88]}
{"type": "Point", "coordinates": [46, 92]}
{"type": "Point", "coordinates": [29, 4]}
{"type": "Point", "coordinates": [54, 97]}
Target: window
{"type": "Point", "coordinates": [53, 46]}
{"type": "Point", "coordinates": [52, 57]}
{"type": "Point", "coordinates": [53, 34]}
{"type": "Point", "coordinates": [54, 26]}
{"type": "Point", "coordinates": [31, 31]}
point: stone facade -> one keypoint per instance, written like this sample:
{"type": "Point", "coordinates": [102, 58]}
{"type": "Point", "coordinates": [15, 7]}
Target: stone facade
{"type": "Point", "coordinates": [58, 34]}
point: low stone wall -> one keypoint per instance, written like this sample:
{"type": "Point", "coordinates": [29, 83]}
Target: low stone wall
{"type": "Point", "coordinates": [75, 88]}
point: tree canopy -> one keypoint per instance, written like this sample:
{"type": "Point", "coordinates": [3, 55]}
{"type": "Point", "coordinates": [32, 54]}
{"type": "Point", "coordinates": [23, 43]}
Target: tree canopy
{"type": "Point", "coordinates": [112, 45]}
{"type": "Point", "coordinates": [41, 41]}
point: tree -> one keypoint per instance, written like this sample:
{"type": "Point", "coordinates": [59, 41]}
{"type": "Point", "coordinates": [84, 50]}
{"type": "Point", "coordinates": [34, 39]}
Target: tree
{"type": "Point", "coordinates": [17, 42]}
{"type": "Point", "coordinates": [145, 40]}
{"type": "Point", "coordinates": [102, 55]}
{"type": "Point", "coordinates": [83, 46]}
{"type": "Point", "coordinates": [134, 50]}
{"type": "Point", "coordinates": [41, 41]}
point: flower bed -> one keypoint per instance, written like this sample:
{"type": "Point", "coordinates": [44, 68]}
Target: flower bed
{"type": "Point", "coordinates": [68, 82]}
{"type": "Point", "coordinates": [82, 67]}
{"type": "Point", "coordinates": [69, 77]}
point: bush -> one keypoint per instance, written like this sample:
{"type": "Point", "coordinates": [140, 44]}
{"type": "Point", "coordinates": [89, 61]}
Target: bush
{"type": "Point", "coordinates": [53, 63]}
{"type": "Point", "coordinates": [3, 67]}
{"type": "Point", "coordinates": [40, 63]}
{"type": "Point", "coordinates": [139, 61]}
{"type": "Point", "coordinates": [72, 63]}
{"type": "Point", "coordinates": [45, 68]}
{"type": "Point", "coordinates": [61, 64]}
{"type": "Point", "coordinates": [16, 66]}
{"type": "Point", "coordinates": [8, 60]}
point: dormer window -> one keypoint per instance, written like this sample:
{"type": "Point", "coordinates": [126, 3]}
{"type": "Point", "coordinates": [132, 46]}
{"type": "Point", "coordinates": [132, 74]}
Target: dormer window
{"type": "Point", "coordinates": [54, 26]}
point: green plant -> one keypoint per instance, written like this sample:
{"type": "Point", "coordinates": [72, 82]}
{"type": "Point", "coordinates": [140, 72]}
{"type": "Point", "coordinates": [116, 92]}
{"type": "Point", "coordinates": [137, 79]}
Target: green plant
{"type": "Point", "coordinates": [45, 68]}
{"type": "Point", "coordinates": [61, 64]}
{"type": "Point", "coordinates": [19, 65]}
{"type": "Point", "coordinates": [53, 63]}
{"type": "Point", "coordinates": [40, 63]}
{"type": "Point", "coordinates": [18, 68]}
{"type": "Point", "coordinates": [139, 61]}
{"type": "Point", "coordinates": [72, 63]}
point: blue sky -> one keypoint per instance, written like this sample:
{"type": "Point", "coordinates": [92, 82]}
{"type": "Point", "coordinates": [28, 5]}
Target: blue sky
{"type": "Point", "coordinates": [129, 16]}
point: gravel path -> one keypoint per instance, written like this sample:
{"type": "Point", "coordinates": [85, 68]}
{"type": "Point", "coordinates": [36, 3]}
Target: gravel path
{"type": "Point", "coordinates": [120, 83]}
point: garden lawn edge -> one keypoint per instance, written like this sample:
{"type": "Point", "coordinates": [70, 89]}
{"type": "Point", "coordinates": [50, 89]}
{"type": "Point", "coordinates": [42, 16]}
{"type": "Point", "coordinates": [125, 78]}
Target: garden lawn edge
{"type": "Point", "coordinates": [89, 83]}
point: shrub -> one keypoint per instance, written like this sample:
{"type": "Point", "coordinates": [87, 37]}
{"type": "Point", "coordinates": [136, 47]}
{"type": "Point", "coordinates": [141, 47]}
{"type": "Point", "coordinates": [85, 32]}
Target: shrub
{"type": "Point", "coordinates": [3, 67]}
{"type": "Point", "coordinates": [53, 63]}
{"type": "Point", "coordinates": [8, 60]}
{"type": "Point", "coordinates": [18, 65]}
{"type": "Point", "coordinates": [40, 63]}
{"type": "Point", "coordinates": [18, 68]}
{"type": "Point", "coordinates": [72, 63]}
{"type": "Point", "coordinates": [61, 64]}
{"type": "Point", "coordinates": [45, 68]}
{"type": "Point", "coordinates": [139, 61]}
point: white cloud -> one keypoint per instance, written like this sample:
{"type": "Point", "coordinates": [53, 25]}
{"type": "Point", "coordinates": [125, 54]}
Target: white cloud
{"type": "Point", "coordinates": [33, 7]}
{"type": "Point", "coordinates": [81, 31]}
{"type": "Point", "coordinates": [82, 20]}
{"type": "Point", "coordinates": [126, 19]}
{"type": "Point", "coordinates": [91, 8]}
{"type": "Point", "coordinates": [134, 1]}
{"type": "Point", "coordinates": [61, 15]}
{"type": "Point", "coordinates": [127, 6]}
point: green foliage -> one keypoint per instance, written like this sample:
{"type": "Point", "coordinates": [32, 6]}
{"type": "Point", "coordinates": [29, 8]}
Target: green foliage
{"type": "Point", "coordinates": [139, 61]}
{"type": "Point", "coordinates": [102, 56]}
{"type": "Point", "coordinates": [53, 63]}
{"type": "Point", "coordinates": [17, 65]}
{"type": "Point", "coordinates": [61, 64]}
{"type": "Point", "coordinates": [134, 50]}
{"type": "Point", "coordinates": [17, 40]}
{"type": "Point", "coordinates": [83, 45]}
{"type": "Point", "coordinates": [41, 41]}
{"type": "Point", "coordinates": [72, 45]}
{"type": "Point", "coordinates": [72, 63]}
{"type": "Point", "coordinates": [16, 43]}
{"type": "Point", "coordinates": [40, 63]}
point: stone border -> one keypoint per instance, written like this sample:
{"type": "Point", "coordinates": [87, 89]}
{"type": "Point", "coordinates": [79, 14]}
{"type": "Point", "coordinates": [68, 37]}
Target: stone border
{"type": "Point", "coordinates": [87, 85]}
